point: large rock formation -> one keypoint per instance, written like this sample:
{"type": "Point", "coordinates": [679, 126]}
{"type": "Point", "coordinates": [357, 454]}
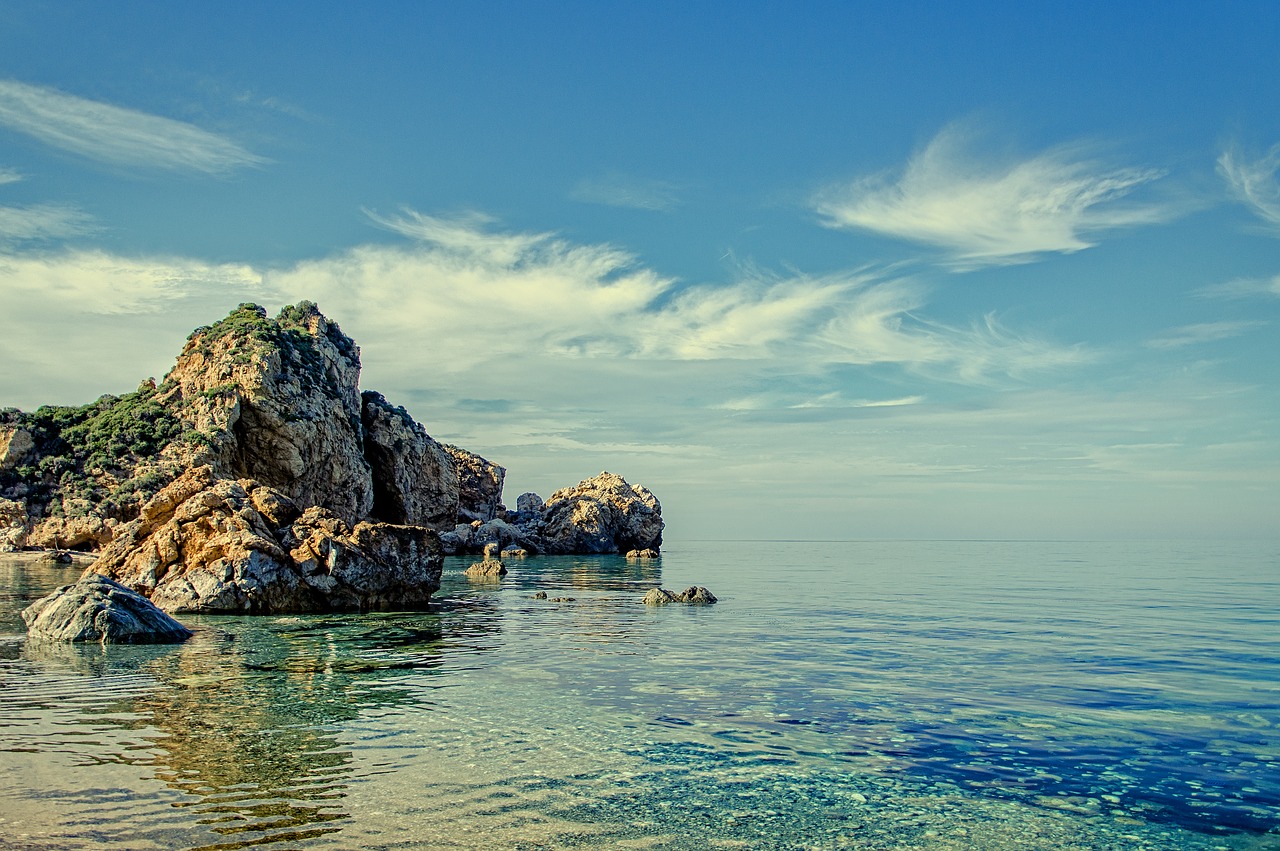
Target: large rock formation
{"type": "Point", "coordinates": [209, 544]}
{"type": "Point", "coordinates": [98, 609]}
{"type": "Point", "coordinates": [256, 477]}
{"type": "Point", "coordinates": [603, 514]}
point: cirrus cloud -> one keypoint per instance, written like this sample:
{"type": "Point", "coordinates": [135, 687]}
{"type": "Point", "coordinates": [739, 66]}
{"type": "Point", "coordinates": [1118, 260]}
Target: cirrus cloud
{"type": "Point", "coordinates": [983, 212]}
{"type": "Point", "coordinates": [117, 135]}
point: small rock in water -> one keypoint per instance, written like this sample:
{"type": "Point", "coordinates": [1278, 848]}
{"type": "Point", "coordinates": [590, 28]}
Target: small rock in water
{"type": "Point", "coordinates": [562, 599]}
{"type": "Point", "coordinates": [515, 552]}
{"type": "Point", "coordinates": [488, 568]}
{"type": "Point", "coordinates": [694, 595]}
{"type": "Point", "coordinates": [100, 609]}
{"type": "Point", "coordinates": [540, 595]}
{"type": "Point", "coordinates": [647, 552]}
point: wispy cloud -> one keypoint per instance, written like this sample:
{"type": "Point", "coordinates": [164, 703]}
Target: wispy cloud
{"type": "Point", "coordinates": [988, 212]}
{"type": "Point", "coordinates": [8, 175]}
{"type": "Point", "coordinates": [1203, 332]}
{"type": "Point", "coordinates": [1254, 182]}
{"type": "Point", "coordinates": [621, 190]}
{"type": "Point", "coordinates": [42, 222]}
{"type": "Point", "coordinates": [1243, 288]}
{"type": "Point", "coordinates": [117, 135]}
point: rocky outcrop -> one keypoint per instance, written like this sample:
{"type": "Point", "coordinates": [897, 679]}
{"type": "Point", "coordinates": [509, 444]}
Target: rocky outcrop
{"type": "Point", "coordinates": [603, 514]}
{"type": "Point", "coordinates": [208, 544]}
{"type": "Point", "coordinates": [275, 403]}
{"type": "Point", "coordinates": [280, 403]}
{"type": "Point", "coordinates": [479, 486]}
{"type": "Point", "coordinates": [99, 609]}
{"type": "Point", "coordinates": [415, 479]}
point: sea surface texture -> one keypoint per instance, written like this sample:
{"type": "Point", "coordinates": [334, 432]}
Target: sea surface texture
{"type": "Point", "coordinates": [931, 695]}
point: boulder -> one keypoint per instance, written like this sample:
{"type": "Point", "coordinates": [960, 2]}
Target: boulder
{"type": "Point", "coordinates": [207, 544]}
{"type": "Point", "coordinates": [99, 609]}
{"type": "Point", "coordinates": [89, 532]}
{"type": "Point", "coordinates": [490, 568]}
{"type": "Point", "coordinates": [658, 597]}
{"type": "Point", "coordinates": [415, 480]}
{"type": "Point", "coordinates": [603, 514]}
{"type": "Point", "coordinates": [645, 553]}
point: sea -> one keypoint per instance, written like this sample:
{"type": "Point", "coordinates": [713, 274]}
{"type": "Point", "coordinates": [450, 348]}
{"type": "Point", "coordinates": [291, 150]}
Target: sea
{"type": "Point", "coordinates": [841, 694]}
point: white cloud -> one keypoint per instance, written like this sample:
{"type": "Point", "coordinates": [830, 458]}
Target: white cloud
{"type": "Point", "coordinates": [41, 222]}
{"type": "Point", "coordinates": [8, 175]}
{"type": "Point", "coordinates": [989, 213]}
{"type": "Point", "coordinates": [1203, 332]}
{"type": "Point", "coordinates": [117, 135]}
{"type": "Point", "coordinates": [1254, 182]}
{"type": "Point", "coordinates": [1244, 288]}
{"type": "Point", "coordinates": [621, 190]}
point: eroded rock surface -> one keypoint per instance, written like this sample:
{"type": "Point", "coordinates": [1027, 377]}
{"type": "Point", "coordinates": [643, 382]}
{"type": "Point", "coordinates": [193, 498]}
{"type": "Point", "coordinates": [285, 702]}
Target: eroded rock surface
{"type": "Point", "coordinates": [603, 514]}
{"type": "Point", "coordinates": [98, 609]}
{"type": "Point", "coordinates": [415, 479]}
{"type": "Point", "coordinates": [208, 544]}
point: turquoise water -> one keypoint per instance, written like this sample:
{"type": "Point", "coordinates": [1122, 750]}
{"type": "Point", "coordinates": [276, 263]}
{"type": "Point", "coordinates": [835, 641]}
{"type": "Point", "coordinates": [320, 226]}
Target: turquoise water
{"type": "Point", "coordinates": [861, 695]}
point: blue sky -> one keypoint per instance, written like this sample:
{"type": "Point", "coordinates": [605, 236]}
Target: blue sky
{"type": "Point", "coordinates": [849, 270]}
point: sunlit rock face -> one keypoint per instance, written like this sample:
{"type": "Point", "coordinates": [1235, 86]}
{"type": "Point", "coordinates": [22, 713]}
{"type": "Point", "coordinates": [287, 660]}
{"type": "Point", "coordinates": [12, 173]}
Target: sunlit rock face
{"type": "Point", "coordinates": [210, 544]}
{"type": "Point", "coordinates": [603, 514]}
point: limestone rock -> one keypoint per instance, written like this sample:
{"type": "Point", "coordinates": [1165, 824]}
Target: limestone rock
{"type": "Point", "coordinates": [89, 532]}
{"type": "Point", "coordinates": [16, 447]}
{"type": "Point", "coordinates": [489, 568]}
{"type": "Point", "coordinates": [13, 525]}
{"type": "Point", "coordinates": [603, 514]}
{"type": "Point", "coordinates": [99, 609]}
{"type": "Point", "coordinates": [694, 595]}
{"type": "Point", "coordinates": [281, 400]}
{"type": "Point", "coordinates": [207, 544]}
{"type": "Point", "coordinates": [415, 479]}
{"type": "Point", "coordinates": [479, 486]}
{"type": "Point", "coordinates": [645, 553]}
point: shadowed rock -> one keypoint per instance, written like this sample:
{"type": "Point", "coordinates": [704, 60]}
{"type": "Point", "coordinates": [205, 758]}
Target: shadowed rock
{"type": "Point", "coordinates": [99, 609]}
{"type": "Point", "coordinates": [694, 595]}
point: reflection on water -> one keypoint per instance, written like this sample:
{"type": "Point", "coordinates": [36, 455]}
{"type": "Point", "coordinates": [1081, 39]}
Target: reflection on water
{"type": "Point", "coordinates": [869, 696]}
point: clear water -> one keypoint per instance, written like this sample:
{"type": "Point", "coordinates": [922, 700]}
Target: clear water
{"type": "Point", "coordinates": [862, 695]}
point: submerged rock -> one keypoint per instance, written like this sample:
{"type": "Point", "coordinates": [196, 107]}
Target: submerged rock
{"type": "Point", "coordinates": [101, 610]}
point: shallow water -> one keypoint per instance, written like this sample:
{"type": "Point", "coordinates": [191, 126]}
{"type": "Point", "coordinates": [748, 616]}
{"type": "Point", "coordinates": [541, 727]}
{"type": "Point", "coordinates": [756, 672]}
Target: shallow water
{"type": "Point", "coordinates": [865, 695]}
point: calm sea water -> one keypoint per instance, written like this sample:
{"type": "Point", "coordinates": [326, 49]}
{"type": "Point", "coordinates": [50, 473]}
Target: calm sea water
{"type": "Point", "coordinates": [862, 695]}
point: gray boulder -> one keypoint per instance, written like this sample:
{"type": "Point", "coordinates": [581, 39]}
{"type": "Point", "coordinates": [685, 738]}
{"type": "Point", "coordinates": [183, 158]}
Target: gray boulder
{"type": "Point", "coordinates": [694, 595]}
{"type": "Point", "coordinates": [100, 609]}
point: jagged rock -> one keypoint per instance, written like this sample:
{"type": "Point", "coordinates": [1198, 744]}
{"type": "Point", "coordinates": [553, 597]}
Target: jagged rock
{"type": "Point", "coordinates": [479, 486]}
{"type": "Point", "coordinates": [529, 502]}
{"type": "Point", "coordinates": [491, 551]}
{"type": "Point", "coordinates": [489, 568]}
{"type": "Point", "coordinates": [207, 544]}
{"type": "Point", "coordinates": [603, 514]}
{"type": "Point", "coordinates": [73, 533]}
{"type": "Point", "coordinates": [694, 595]}
{"type": "Point", "coordinates": [281, 400]}
{"type": "Point", "coordinates": [99, 609]}
{"type": "Point", "coordinates": [13, 525]}
{"type": "Point", "coordinates": [415, 480]}
{"type": "Point", "coordinates": [645, 553]}
{"type": "Point", "coordinates": [16, 447]}
{"type": "Point", "coordinates": [515, 552]}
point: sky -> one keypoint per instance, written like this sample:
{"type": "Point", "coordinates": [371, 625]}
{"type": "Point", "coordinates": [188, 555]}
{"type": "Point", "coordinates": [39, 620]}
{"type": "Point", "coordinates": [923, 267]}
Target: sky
{"type": "Point", "coordinates": [815, 270]}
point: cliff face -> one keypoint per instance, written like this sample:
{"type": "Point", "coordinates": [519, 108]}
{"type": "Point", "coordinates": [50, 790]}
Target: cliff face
{"type": "Point", "coordinates": [256, 409]}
